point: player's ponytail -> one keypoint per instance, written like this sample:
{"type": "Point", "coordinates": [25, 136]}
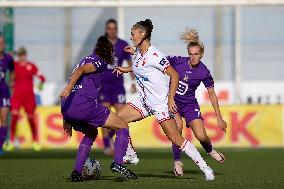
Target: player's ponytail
{"type": "Point", "coordinates": [191, 38]}
{"type": "Point", "coordinates": [104, 49]}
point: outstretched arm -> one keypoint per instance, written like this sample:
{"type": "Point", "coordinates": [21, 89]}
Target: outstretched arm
{"type": "Point", "coordinates": [214, 101]}
{"type": "Point", "coordinates": [122, 70]}
{"type": "Point", "coordinates": [173, 88]}
{"type": "Point", "coordinates": [133, 86]}
{"type": "Point", "coordinates": [86, 68]}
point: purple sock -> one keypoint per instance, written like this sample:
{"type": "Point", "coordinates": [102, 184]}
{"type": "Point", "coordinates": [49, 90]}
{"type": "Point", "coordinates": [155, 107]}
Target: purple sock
{"type": "Point", "coordinates": [176, 152]}
{"type": "Point", "coordinates": [3, 134]}
{"type": "Point", "coordinates": [106, 141]}
{"type": "Point", "coordinates": [83, 153]}
{"type": "Point", "coordinates": [111, 133]}
{"type": "Point", "coordinates": [207, 146]}
{"type": "Point", "coordinates": [120, 145]}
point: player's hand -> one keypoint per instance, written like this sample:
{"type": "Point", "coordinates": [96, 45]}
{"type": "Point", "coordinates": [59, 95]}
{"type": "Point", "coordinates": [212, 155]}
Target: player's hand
{"type": "Point", "coordinates": [65, 92]}
{"type": "Point", "coordinates": [133, 88]}
{"type": "Point", "coordinates": [129, 49]}
{"type": "Point", "coordinates": [222, 124]}
{"type": "Point", "coordinates": [67, 128]}
{"type": "Point", "coordinates": [120, 70]}
{"type": "Point", "coordinates": [172, 105]}
{"type": "Point", "coordinates": [40, 86]}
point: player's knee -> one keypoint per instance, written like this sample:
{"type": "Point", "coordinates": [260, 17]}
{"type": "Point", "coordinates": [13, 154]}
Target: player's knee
{"type": "Point", "coordinates": [92, 133]}
{"type": "Point", "coordinates": [31, 115]}
{"type": "Point", "coordinates": [15, 112]}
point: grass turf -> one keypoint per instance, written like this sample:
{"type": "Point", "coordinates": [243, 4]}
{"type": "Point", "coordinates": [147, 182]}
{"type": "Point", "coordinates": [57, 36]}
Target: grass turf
{"type": "Point", "coordinates": [244, 168]}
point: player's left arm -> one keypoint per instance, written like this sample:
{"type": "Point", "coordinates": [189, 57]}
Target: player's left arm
{"type": "Point", "coordinates": [11, 72]}
{"type": "Point", "coordinates": [173, 87]}
{"type": "Point", "coordinates": [214, 101]}
{"type": "Point", "coordinates": [40, 76]}
{"type": "Point", "coordinates": [209, 84]}
{"type": "Point", "coordinates": [86, 68]}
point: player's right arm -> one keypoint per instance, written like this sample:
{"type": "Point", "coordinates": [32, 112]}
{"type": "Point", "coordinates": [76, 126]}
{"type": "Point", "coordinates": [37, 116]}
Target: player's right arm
{"type": "Point", "coordinates": [122, 70]}
{"type": "Point", "coordinates": [84, 69]}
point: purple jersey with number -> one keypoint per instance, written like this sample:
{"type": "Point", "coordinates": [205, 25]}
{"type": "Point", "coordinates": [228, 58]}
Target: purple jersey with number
{"type": "Point", "coordinates": [82, 105]}
{"type": "Point", "coordinates": [189, 79]}
{"type": "Point", "coordinates": [6, 63]}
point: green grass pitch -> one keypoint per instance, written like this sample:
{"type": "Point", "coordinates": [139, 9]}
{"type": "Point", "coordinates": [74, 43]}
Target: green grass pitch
{"type": "Point", "coordinates": [244, 168]}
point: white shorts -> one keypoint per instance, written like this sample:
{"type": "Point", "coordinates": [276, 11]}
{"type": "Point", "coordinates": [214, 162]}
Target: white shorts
{"type": "Point", "coordinates": [161, 112]}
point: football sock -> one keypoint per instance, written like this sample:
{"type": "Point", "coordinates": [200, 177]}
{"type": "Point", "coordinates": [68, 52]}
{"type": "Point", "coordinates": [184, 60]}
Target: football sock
{"type": "Point", "coordinates": [176, 152]}
{"type": "Point", "coordinates": [83, 153]}
{"type": "Point", "coordinates": [207, 146]}
{"type": "Point", "coordinates": [192, 152]}
{"type": "Point", "coordinates": [130, 149]}
{"type": "Point", "coordinates": [33, 128]}
{"type": "Point", "coordinates": [106, 141]}
{"type": "Point", "coordinates": [111, 133]}
{"type": "Point", "coordinates": [3, 134]}
{"type": "Point", "coordinates": [14, 120]}
{"type": "Point", "coordinates": [120, 145]}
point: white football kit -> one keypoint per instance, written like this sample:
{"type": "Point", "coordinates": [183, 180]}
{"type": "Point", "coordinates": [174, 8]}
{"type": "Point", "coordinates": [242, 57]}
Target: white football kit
{"type": "Point", "coordinates": [153, 84]}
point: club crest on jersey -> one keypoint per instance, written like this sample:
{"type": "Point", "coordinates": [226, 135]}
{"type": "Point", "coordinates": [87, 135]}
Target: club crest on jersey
{"type": "Point", "coordinates": [185, 78]}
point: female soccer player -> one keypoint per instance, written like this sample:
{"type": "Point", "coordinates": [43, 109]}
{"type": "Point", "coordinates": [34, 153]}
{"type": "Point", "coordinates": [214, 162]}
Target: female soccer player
{"type": "Point", "coordinates": [23, 96]}
{"type": "Point", "coordinates": [157, 82]}
{"type": "Point", "coordinates": [6, 64]}
{"type": "Point", "coordinates": [112, 92]}
{"type": "Point", "coordinates": [191, 73]}
{"type": "Point", "coordinates": [82, 110]}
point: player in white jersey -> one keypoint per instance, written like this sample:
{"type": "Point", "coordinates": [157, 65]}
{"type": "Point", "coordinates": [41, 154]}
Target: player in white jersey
{"type": "Point", "coordinates": [157, 82]}
{"type": "Point", "coordinates": [149, 70]}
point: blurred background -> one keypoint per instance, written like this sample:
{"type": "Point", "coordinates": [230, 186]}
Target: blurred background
{"type": "Point", "coordinates": [244, 45]}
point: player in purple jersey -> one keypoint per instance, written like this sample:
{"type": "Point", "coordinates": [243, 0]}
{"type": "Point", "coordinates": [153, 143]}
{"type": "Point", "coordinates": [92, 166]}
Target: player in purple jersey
{"type": "Point", "coordinates": [112, 93]}
{"type": "Point", "coordinates": [157, 81]}
{"type": "Point", "coordinates": [82, 110]}
{"type": "Point", "coordinates": [6, 64]}
{"type": "Point", "coordinates": [191, 73]}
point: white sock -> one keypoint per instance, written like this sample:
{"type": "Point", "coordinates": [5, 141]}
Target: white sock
{"type": "Point", "coordinates": [192, 152]}
{"type": "Point", "coordinates": [130, 150]}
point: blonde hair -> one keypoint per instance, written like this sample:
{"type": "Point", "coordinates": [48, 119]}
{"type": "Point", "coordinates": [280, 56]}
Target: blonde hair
{"type": "Point", "coordinates": [191, 38]}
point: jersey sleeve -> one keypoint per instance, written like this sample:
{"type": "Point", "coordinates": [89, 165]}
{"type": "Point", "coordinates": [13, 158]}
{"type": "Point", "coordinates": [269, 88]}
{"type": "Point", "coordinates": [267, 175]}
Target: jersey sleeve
{"type": "Point", "coordinates": [161, 62]}
{"type": "Point", "coordinates": [172, 60]}
{"type": "Point", "coordinates": [38, 73]}
{"type": "Point", "coordinates": [126, 55]}
{"type": "Point", "coordinates": [208, 79]}
{"type": "Point", "coordinates": [11, 64]}
{"type": "Point", "coordinates": [97, 63]}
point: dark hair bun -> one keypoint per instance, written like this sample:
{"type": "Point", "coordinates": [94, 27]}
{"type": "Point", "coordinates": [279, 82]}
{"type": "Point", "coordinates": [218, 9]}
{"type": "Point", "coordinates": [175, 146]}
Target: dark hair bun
{"type": "Point", "coordinates": [149, 24]}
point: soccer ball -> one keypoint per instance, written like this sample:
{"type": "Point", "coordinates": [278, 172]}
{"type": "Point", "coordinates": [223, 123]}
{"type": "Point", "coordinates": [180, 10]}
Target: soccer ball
{"type": "Point", "coordinates": [92, 169]}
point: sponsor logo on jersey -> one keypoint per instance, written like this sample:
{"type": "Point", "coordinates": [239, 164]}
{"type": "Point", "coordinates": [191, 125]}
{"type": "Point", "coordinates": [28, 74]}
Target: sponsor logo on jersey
{"type": "Point", "coordinates": [182, 88]}
{"type": "Point", "coordinates": [141, 78]}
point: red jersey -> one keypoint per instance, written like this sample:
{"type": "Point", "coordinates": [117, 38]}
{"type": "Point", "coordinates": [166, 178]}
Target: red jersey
{"type": "Point", "coordinates": [24, 73]}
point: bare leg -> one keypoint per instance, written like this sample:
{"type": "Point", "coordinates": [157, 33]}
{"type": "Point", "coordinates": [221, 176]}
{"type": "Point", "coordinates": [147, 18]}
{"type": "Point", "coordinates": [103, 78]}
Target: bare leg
{"type": "Point", "coordinates": [176, 138]}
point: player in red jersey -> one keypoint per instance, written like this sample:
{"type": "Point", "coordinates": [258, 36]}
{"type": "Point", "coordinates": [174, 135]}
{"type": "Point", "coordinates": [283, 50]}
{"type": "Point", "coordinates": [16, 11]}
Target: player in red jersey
{"type": "Point", "coordinates": [23, 95]}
